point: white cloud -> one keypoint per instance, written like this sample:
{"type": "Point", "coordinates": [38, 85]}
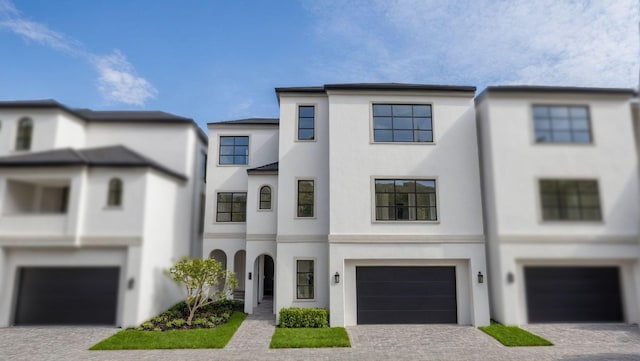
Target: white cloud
{"type": "Point", "coordinates": [585, 43]}
{"type": "Point", "coordinates": [117, 80]}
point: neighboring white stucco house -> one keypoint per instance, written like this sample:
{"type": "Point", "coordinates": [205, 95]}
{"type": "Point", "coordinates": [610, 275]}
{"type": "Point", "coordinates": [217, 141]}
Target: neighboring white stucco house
{"type": "Point", "coordinates": [560, 188]}
{"type": "Point", "coordinates": [361, 198]}
{"type": "Point", "coordinates": [94, 206]}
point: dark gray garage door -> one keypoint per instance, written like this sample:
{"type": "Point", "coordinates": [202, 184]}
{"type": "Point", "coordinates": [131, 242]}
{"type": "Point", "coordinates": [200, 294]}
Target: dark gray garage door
{"type": "Point", "coordinates": [388, 295]}
{"type": "Point", "coordinates": [573, 294]}
{"type": "Point", "coordinates": [67, 296]}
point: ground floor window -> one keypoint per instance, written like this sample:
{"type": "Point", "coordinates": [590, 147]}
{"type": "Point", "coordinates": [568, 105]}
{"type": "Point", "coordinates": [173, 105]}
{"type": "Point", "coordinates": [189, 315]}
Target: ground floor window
{"type": "Point", "coordinates": [304, 279]}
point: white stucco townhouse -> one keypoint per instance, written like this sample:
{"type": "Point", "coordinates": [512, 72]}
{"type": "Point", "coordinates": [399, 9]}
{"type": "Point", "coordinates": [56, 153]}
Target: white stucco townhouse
{"type": "Point", "coordinates": [360, 198]}
{"type": "Point", "coordinates": [560, 189]}
{"type": "Point", "coordinates": [94, 206]}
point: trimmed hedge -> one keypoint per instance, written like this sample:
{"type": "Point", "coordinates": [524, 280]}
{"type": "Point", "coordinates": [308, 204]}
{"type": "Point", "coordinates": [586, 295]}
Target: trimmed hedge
{"type": "Point", "coordinates": [295, 317]}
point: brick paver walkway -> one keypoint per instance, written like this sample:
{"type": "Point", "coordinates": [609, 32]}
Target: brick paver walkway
{"type": "Point", "coordinates": [256, 331]}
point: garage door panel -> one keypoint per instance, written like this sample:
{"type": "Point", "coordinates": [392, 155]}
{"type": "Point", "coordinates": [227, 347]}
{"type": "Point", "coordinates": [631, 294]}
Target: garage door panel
{"type": "Point", "coordinates": [391, 294]}
{"type": "Point", "coordinates": [67, 295]}
{"type": "Point", "coordinates": [573, 294]}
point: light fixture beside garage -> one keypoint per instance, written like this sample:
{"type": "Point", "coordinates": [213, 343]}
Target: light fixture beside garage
{"type": "Point", "coordinates": [336, 277]}
{"type": "Point", "coordinates": [480, 277]}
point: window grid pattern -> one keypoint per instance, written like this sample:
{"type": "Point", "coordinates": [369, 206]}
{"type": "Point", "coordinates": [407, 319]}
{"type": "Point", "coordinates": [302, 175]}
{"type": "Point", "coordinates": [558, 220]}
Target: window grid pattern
{"type": "Point", "coordinates": [406, 200]}
{"type": "Point", "coordinates": [570, 200]}
{"type": "Point", "coordinates": [114, 194]}
{"type": "Point", "coordinates": [232, 207]}
{"type": "Point", "coordinates": [306, 122]}
{"type": "Point", "coordinates": [305, 198]}
{"type": "Point", "coordinates": [265, 197]}
{"type": "Point", "coordinates": [234, 150]}
{"type": "Point", "coordinates": [25, 131]}
{"type": "Point", "coordinates": [402, 123]}
{"type": "Point", "coordinates": [304, 279]}
{"type": "Point", "coordinates": [561, 124]}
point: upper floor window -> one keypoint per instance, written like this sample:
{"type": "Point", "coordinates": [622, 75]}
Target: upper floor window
{"type": "Point", "coordinates": [114, 195]}
{"type": "Point", "coordinates": [561, 124]}
{"type": "Point", "coordinates": [265, 197]}
{"type": "Point", "coordinates": [232, 207]}
{"type": "Point", "coordinates": [203, 166]}
{"type": "Point", "coordinates": [234, 150]}
{"type": "Point", "coordinates": [402, 123]}
{"type": "Point", "coordinates": [23, 137]}
{"type": "Point", "coordinates": [305, 198]}
{"type": "Point", "coordinates": [570, 200]}
{"type": "Point", "coordinates": [305, 279]}
{"type": "Point", "coordinates": [406, 200]}
{"type": "Point", "coordinates": [306, 122]}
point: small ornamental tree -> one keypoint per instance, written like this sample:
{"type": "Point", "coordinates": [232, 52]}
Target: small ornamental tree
{"type": "Point", "coordinates": [205, 281]}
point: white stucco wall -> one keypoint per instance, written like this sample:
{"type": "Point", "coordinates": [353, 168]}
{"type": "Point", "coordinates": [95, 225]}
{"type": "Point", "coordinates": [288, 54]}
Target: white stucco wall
{"type": "Point", "coordinates": [70, 131]}
{"type": "Point", "coordinates": [45, 124]}
{"type": "Point", "coordinates": [262, 223]}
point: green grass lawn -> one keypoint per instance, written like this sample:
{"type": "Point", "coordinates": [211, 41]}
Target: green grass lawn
{"type": "Point", "coordinates": [514, 336]}
{"type": "Point", "coordinates": [310, 338]}
{"type": "Point", "coordinates": [195, 338]}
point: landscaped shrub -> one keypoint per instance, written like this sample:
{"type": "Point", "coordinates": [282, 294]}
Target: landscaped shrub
{"type": "Point", "coordinates": [304, 317]}
{"type": "Point", "coordinates": [209, 316]}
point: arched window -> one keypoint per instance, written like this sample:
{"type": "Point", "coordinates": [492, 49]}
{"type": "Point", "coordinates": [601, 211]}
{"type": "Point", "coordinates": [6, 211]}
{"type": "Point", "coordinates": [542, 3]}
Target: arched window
{"type": "Point", "coordinates": [114, 197]}
{"type": "Point", "coordinates": [23, 138]}
{"type": "Point", "coordinates": [265, 197]}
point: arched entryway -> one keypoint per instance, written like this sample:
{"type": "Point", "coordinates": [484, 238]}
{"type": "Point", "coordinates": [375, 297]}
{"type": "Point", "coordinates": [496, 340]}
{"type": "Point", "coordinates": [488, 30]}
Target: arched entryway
{"type": "Point", "coordinates": [239, 268]}
{"type": "Point", "coordinates": [263, 279]}
{"type": "Point", "coordinates": [219, 256]}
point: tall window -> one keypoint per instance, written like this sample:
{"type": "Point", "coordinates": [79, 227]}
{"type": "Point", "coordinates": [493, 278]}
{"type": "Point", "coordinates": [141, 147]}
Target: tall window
{"type": "Point", "coordinates": [265, 197]}
{"type": "Point", "coordinates": [232, 207]}
{"type": "Point", "coordinates": [570, 200]}
{"type": "Point", "coordinates": [306, 122]}
{"type": "Point", "coordinates": [25, 130]}
{"type": "Point", "coordinates": [561, 124]}
{"type": "Point", "coordinates": [305, 198]}
{"type": "Point", "coordinates": [114, 195]}
{"type": "Point", "coordinates": [234, 150]}
{"type": "Point", "coordinates": [406, 200]}
{"type": "Point", "coordinates": [304, 279]}
{"type": "Point", "coordinates": [402, 123]}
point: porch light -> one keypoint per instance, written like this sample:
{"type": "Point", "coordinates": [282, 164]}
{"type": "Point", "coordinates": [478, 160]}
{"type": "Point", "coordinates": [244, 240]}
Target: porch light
{"type": "Point", "coordinates": [480, 277]}
{"type": "Point", "coordinates": [336, 277]}
{"type": "Point", "coordinates": [249, 275]}
{"type": "Point", "coordinates": [510, 277]}
{"type": "Point", "coordinates": [130, 283]}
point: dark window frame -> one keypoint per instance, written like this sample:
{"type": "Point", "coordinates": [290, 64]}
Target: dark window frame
{"type": "Point", "coordinates": [310, 279]}
{"type": "Point", "coordinates": [235, 147]}
{"type": "Point", "coordinates": [556, 205]}
{"type": "Point", "coordinates": [114, 192]}
{"type": "Point", "coordinates": [235, 216]}
{"type": "Point", "coordinates": [547, 128]}
{"type": "Point", "coordinates": [401, 212]}
{"type": "Point", "coordinates": [306, 128]}
{"type": "Point", "coordinates": [24, 135]}
{"type": "Point", "coordinates": [385, 123]}
{"type": "Point", "coordinates": [265, 205]}
{"type": "Point", "coordinates": [303, 207]}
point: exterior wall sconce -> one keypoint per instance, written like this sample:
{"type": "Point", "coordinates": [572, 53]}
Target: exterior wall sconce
{"type": "Point", "coordinates": [249, 275]}
{"type": "Point", "coordinates": [336, 277]}
{"type": "Point", "coordinates": [510, 277]}
{"type": "Point", "coordinates": [130, 283]}
{"type": "Point", "coordinates": [480, 277]}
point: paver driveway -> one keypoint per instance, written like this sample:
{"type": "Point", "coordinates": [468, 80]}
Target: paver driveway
{"type": "Point", "coordinates": [395, 342]}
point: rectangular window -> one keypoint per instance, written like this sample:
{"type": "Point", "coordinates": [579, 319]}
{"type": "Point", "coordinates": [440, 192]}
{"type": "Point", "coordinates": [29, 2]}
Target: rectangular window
{"type": "Point", "coordinates": [306, 122]}
{"type": "Point", "coordinates": [406, 200]}
{"type": "Point", "coordinates": [402, 123]}
{"type": "Point", "coordinates": [232, 207]}
{"type": "Point", "coordinates": [234, 150]}
{"type": "Point", "coordinates": [304, 279]}
{"type": "Point", "coordinates": [561, 124]}
{"type": "Point", "coordinates": [305, 198]}
{"type": "Point", "coordinates": [570, 200]}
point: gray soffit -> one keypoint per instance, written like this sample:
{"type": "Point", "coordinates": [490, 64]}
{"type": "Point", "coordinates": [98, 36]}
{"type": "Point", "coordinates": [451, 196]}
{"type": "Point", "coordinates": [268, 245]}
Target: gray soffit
{"type": "Point", "coordinates": [112, 156]}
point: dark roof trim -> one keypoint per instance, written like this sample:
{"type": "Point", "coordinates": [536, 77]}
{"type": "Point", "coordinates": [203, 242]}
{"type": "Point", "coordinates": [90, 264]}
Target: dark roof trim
{"type": "Point", "coordinates": [267, 168]}
{"type": "Point", "coordinates": [248, 121]}
{"type": "Point", "coordinates": [514, 89]}
{"type": "Point", "coordinates": [113, 156]}
{"type": "Point", "coordinates": [379, 87]}
{"type": "Point", "coordinates": [88, 115]}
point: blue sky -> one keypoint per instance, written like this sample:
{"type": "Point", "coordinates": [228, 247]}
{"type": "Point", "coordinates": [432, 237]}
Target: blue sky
{"type": "Point", "coordinates": [221, 60]}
